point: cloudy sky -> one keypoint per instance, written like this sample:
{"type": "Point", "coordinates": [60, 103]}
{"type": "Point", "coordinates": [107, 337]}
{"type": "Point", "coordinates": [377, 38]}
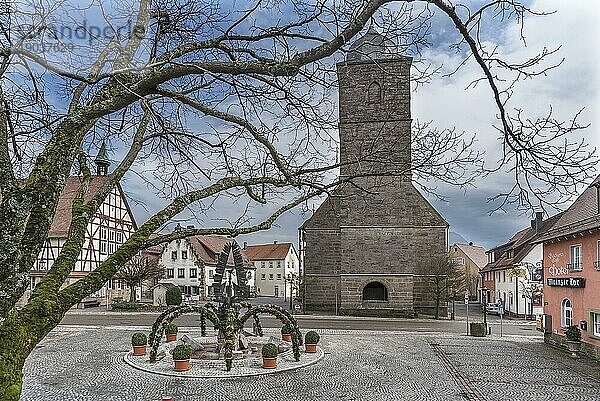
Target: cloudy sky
{"type": "Point", "coordinates": [574, 85]}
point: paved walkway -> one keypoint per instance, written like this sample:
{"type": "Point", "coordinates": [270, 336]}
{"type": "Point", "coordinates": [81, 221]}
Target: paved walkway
{"type": "Point", "coordinates": [79, 364]}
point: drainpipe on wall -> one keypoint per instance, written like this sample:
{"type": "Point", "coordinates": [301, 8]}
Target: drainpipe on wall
{"type": "Point", "coordinates": [517, 296]}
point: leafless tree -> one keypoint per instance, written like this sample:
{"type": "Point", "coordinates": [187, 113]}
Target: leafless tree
{"type": "Point", "coordinates": [214, 104]}
{"type": "Point", "coordinates": [441, 275]}
{"type": "Point", "coordinates": [138, 270]}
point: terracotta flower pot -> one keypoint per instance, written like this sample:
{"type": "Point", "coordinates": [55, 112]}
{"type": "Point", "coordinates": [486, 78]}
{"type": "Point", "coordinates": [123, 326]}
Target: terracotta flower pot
{"type": "Point", "coordinates": [286, 336]}
{"type": "Point", "coordinates": [139, 350]}
{"type": "Point", "coordinates": [171, 337]}
{"type": "Point", "coordinates": [182, 366]}
{"type": "Point", "coordinates": [310, 348]}
{"type": "Point", "coordinates": [269, 363]}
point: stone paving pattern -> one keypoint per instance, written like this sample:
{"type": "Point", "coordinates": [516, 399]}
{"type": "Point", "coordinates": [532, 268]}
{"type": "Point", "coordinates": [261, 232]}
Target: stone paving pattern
{"type": "Point", "coordinates": [87, 364]}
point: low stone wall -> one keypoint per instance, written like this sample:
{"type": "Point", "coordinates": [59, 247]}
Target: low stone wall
{"type": "Point", "coordinates": [587, 349]}
{"type": "Point", "coordinates": [380, 312]}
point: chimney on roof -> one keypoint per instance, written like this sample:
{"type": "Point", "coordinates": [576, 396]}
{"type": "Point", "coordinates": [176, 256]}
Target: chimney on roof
{"type": "Point", "coordinates": [245, 245]}
{"type": "Point", "coordinates": [471, 243]}
{"type": "Point", "coordinates": [538, 221]}
{"type": "Point", "coordinates": [275, 242]}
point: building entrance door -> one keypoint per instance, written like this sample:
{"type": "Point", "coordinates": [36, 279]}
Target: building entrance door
{"type": "Point", "coordinates": [276, 291]}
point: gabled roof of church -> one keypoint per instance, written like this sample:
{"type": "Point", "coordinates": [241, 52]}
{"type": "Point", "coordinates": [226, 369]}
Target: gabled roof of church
{"type": "Point", "coordinates": [403, 207]}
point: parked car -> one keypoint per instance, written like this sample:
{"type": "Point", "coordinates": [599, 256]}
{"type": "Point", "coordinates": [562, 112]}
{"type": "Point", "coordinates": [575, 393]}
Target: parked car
{"type": "Point", "coordinates": [492, 308]}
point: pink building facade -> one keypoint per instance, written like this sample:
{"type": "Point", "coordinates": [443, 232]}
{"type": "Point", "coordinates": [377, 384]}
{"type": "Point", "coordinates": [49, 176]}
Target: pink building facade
{"type": "Point", "coordinates": [572, 272]}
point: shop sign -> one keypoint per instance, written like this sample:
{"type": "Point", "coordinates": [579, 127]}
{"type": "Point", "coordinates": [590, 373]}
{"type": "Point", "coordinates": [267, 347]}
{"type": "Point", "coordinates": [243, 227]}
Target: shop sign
{"type": "Point", "coordinates": [573, 282]}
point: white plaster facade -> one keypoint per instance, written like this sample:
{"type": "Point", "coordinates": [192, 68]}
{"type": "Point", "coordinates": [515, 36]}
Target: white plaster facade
{"type": "Point", "coordinates": [516, 291]}
{"type": "Point", "coordinates": [191, 263]}
{"type": "Point", "coordinates": [277, 275]}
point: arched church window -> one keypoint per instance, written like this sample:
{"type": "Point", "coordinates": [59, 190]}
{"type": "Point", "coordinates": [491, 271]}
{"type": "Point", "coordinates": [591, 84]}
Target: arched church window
{"type": "Point", "coordinates": [374, 93]}
{"type": "Point", "coordinates": [375, 291]}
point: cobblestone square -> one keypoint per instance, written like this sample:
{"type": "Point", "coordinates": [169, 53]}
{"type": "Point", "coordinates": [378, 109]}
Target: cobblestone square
{"type": "Point", "coordinates": [86, 363]}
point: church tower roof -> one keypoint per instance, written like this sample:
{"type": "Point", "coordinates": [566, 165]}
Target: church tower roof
{"type": "Point", "coordinates": [371, 46]}
{"type": "Point", "coordinates": [102, 161]}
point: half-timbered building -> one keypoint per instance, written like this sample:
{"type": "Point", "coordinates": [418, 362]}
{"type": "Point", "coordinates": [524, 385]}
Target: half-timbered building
{"type": "Point", "coordinates": [112, 225]}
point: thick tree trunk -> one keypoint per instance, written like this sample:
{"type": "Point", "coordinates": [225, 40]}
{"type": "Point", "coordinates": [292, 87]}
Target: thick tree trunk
{"type": "Point", "coordinates": [437, 307]}
{"type": "Point", "coordinates": [131, 293]}
{"type": "Point", "coordinates": [19, 334]}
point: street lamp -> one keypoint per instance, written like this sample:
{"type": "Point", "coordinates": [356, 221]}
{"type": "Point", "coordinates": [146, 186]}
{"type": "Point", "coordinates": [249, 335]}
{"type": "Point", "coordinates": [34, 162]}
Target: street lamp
{"type": "Point", "coordinates": [291, 278]}
{"type": "Point", "coordinates": [485, 301]}
{"type": "Point", "coordinates": [453, 291]}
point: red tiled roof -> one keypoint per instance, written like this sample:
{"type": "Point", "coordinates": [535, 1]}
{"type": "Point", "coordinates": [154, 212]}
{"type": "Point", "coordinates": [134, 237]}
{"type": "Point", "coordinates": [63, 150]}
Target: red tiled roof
{"type": "Point", "coordinates": [208, 247]}
{"type": "Point", "coordinates": [582, 215]}
{"type": "Point", "coordinates": [268, 251]}
{"type": "Point", "coordinates": [475, 253]}
{"type": "Point", "coordinates": [62, 218]}
{"type": "Point", "coordinates": [521, 243]}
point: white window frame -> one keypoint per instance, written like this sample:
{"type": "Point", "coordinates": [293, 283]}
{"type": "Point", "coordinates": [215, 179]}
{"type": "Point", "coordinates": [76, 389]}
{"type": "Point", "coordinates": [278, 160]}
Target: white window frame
{"type": "Point", "coordinates": [211, 274]}
{"type": "Point", "coordinates": [575, 259]}
{"type": "Point", "coordinates": [596, 324]}
{"type": "Point", "coordinates": [193, 273]}
{"type": "Point", "coordinates": [566, 313]}
{"type": "Point", "coordinates": [180, 271]}
{"type": "Point", "coordinates": [170, 273]}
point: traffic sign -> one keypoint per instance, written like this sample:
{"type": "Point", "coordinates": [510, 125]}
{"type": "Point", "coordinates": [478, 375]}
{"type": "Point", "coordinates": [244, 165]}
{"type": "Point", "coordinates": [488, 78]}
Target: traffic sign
{"type": "Point", "coordinates": [500, 304]}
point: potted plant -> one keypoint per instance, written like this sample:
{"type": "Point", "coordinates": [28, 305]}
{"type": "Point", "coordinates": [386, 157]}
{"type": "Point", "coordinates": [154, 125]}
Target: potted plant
{"type": "Point", "coordinates": [310, 341]}
{"type": "Point", "coordinates": [139, 342]}
{"type": "Point", "coordinates": [286, 333]}
{"type": "Point", "coordinates": [181, 356]}
{"type": "Point", "coordinates": [269, 354]}
{"type": "Point", "coordinates": [171, 332]}
{"type": "Point", "coordinates": [573, 340]}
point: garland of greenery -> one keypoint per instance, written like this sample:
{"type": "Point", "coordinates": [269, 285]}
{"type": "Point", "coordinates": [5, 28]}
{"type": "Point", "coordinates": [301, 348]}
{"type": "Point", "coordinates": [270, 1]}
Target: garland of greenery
{"type": "Point", "coordinates": [168, 316]}
{"type": "Point", "coordinates": [257, 325]}
{"type": "Point", "coordinates": [230, 336]}
{"type": "Point", "coordinates": [285, 317]}
{"type": "Point", "coordinates": [228, 322]}
{"type": "Point", "coordinates": [203, 324]}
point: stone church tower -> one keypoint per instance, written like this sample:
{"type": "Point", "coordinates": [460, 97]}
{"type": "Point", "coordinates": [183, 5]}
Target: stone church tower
{"type": "Point", "coordinates": [362, 247]}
